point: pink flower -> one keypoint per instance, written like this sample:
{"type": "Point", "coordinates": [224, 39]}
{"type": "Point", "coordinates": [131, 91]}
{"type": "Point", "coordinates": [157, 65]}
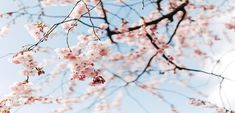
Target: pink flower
{"type": "Point", "coordinates": [4, 31]}
{"type": "Point", "coordinates": [30, 66]}
{"type": "Point", "coordinates": [36, 30]}
{"type": "Point", "coordinates": [103, 26]}
{"type": "Point", "coordinates": [79, 10]}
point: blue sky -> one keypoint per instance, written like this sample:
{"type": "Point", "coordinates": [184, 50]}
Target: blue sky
{"type": "Point", "coordinates": [18, 37]}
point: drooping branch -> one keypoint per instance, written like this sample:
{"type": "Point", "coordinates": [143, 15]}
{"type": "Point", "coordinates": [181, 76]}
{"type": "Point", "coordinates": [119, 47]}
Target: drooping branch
{"type": "Point", "coordinates": [167, 16]}
{"type": "Point", "coordinates": [182, 68]}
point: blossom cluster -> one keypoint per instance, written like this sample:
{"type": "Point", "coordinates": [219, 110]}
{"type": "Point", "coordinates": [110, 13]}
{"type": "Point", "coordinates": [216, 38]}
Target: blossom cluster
{"type": "Point", "coordinates": [21, 94]}
{"type": "Point", "coordinates": [82, 60]}
{"type": "Point", "coordinates": [30, 66]}
{"type": "Point", "coordinates": [203, 103]}
{"type": "Point", "coordinates": [36, 30]}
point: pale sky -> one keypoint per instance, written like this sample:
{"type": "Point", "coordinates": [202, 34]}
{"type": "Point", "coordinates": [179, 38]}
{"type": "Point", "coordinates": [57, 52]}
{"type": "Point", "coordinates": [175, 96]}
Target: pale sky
{"type": "Point", "coordinates": [18, 37]}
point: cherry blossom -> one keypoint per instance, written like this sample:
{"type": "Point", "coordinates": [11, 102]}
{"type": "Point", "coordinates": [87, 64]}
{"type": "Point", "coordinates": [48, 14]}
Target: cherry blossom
{"type": "Point", "coordinates": [4, 31]}
{"type": "Point", "coordinates": [30, 66]}
{"type": "Point", "coordinates": [36, 30]}
{"type": "Point", "coordinates": [104, 51]}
